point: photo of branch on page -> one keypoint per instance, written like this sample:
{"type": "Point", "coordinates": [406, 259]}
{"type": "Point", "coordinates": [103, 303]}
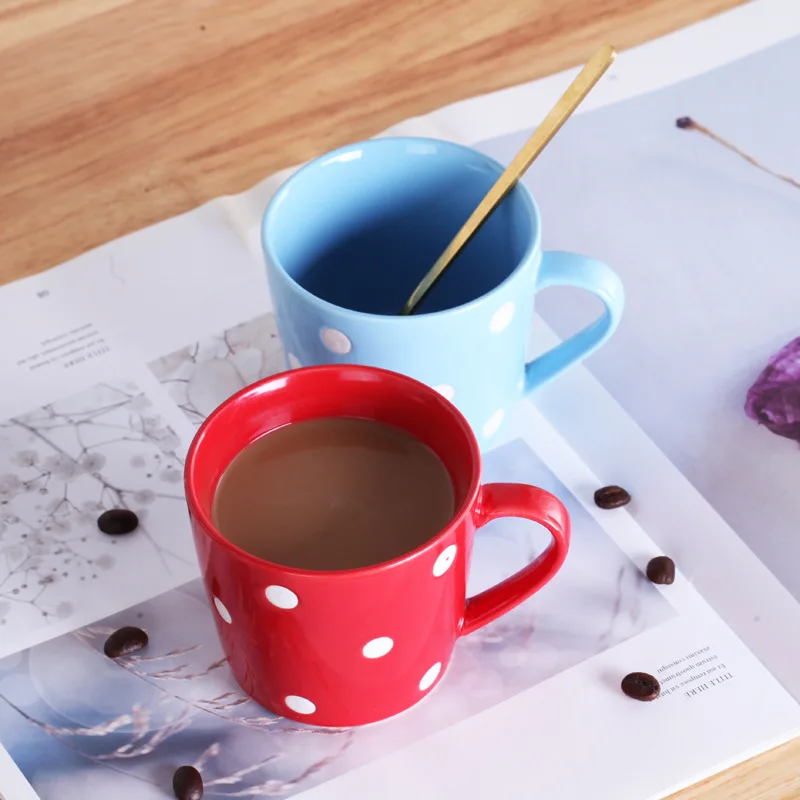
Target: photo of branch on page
{"type": "Point", "coordinates": [62, 466]}
{"type": "Point", "coordinates": [692, 194]}
{"type": "Point", "coordinates": [205, 373]}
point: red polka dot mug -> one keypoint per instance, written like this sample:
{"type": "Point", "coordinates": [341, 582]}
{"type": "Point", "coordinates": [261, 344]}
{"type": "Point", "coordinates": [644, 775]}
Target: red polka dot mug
{"type": "Point", "coordinates": [350, 647]}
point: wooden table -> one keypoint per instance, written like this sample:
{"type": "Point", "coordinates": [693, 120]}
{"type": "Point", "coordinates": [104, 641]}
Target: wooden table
{"type": "Point", "coordinates": [115, 114]}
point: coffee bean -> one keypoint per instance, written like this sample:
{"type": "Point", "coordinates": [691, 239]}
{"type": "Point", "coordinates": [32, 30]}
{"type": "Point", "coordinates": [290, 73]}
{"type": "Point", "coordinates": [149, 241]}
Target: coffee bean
{"type": "Point", "coordinates": [641, 686]}
{"type": "Point", "coordinates": [125, 641]}
{"type": "Point", "coordinates": [187, 783]}
{"type": "Point", "coordinates": [661, 569]}
{"type": "Point", "coordinates": [118, 521]}
{"type": "Point", "coordinates": [611, 497]}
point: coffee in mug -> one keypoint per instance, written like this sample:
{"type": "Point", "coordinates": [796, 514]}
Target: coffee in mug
{"type": "Point", "coordinates": [333, 493]}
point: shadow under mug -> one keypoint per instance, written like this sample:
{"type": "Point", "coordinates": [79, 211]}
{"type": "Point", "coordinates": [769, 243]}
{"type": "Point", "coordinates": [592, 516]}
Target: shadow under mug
{"type": "Point", "coordinates": [349, 647]}
{"type": "Point", "coordinates": [349, 236]}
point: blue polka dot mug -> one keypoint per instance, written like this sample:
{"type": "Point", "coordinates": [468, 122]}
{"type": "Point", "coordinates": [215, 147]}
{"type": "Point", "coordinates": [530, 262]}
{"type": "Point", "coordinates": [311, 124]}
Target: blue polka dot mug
{"type": "Point", "coordinates": [349, 236]}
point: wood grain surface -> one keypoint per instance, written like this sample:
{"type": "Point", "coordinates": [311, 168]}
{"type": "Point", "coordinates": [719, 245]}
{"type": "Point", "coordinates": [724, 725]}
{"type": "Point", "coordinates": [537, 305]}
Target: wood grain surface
{"type": "Point", "coordinates": [115, 114]}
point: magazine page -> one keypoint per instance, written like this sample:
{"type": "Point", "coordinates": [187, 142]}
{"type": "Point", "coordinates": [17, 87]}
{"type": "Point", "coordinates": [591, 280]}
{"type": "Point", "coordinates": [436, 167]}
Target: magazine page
{"type": "Point", "coordinates": [707, 361]}
{"type": "Point", "coordinates": [522, 695]}
{"type": "Point", "coordinates": [691, 192]}
{"type": "Point", "coordinates": [118, 356]}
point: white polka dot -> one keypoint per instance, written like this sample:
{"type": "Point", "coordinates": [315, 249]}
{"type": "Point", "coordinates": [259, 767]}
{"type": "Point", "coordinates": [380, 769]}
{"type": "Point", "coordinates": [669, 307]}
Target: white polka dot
{"type": "Point", "coordinates": [430, 676]}
{"type": "Point", "coordinates": [299, 704]}
{"type": "Point", "coordinates": [294, 361]}
{"type": "Point", "coordinates": [444, 561]}
{"type": "Point", "coordinates": [223, 612]}
{"type": "Point", "coordinates": [281, 597]}
{"type": "Point", "coordinates": [494, 422]}
{"type": "Point", "coordinates": [446, 391]}
{"type": "Point", "coordinates": [336, 341]}
{"type": "Point", "coordinates": [501, 318]}
{"type": "Point", "coordinates": [378, 647]}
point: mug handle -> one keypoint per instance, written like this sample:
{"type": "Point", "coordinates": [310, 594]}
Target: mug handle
{"type": "Point", "coordinates": [559, 268]}
{"type": "Point", "coordinates": [518, 500]}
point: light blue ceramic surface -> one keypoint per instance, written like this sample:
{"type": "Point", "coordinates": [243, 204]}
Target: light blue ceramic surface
{"type": "Point", "coordinates": [349, 236]}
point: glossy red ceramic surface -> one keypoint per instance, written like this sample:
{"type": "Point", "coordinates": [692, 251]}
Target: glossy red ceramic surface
{"type": "Point", "coordinates": [352, 647]}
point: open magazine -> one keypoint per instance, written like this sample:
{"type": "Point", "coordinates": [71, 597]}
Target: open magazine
{"type": "Point", "coordinates": [112, 360]}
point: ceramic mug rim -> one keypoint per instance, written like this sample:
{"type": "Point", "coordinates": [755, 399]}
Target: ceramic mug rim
{"type": "Point", "coordinates": [532, 247]}
{"type": "Point", "coordinates": [203, 517]}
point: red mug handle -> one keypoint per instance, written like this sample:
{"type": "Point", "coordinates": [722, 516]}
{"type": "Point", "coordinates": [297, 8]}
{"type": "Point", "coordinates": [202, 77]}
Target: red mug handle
{"type": "Point", "coordinates": [518, 500]}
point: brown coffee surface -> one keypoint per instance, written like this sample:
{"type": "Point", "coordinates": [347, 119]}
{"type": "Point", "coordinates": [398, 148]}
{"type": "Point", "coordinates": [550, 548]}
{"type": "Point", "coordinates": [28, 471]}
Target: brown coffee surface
{"type": "Point", "coordinates": [333, 493]}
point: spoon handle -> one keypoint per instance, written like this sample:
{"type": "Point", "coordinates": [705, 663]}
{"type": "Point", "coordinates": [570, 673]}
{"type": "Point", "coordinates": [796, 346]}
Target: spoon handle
{"type": "Point", "coordinates": [569, 101]}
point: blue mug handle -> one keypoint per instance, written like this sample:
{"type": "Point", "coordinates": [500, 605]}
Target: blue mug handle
{"type": "Point", "coordinates": [559, 268]}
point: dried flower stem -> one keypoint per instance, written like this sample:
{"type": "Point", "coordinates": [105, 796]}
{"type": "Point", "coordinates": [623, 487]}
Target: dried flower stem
{"type": "Point", "coordinates": [688, 124]}
{"type": "Point", "coordinates": [139, 719]}
{"type": "Point", "coordinates": [179, 651]}
{"type": "Point", "coordinates": [236, 777]}
{"type": "Point", "coordinates": [278, 788]}
{"type": "Point", "coordinates": [103, 729]}
{"type": "Point", "coordinates": [86, 635]}
{"type": "Point", "coordinates": [178, 673]}
{"type": "Point", "coordinates": [212, 751]}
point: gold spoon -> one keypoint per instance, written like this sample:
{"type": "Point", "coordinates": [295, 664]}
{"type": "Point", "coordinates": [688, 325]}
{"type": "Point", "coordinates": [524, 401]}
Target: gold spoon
{"type": "Point", "coordinates": [570, 100]}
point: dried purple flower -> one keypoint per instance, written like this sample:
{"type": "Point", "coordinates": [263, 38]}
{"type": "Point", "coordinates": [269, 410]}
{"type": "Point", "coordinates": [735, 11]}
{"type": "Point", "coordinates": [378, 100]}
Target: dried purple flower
{"type": "Point", "coordinates": [774, 398]}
